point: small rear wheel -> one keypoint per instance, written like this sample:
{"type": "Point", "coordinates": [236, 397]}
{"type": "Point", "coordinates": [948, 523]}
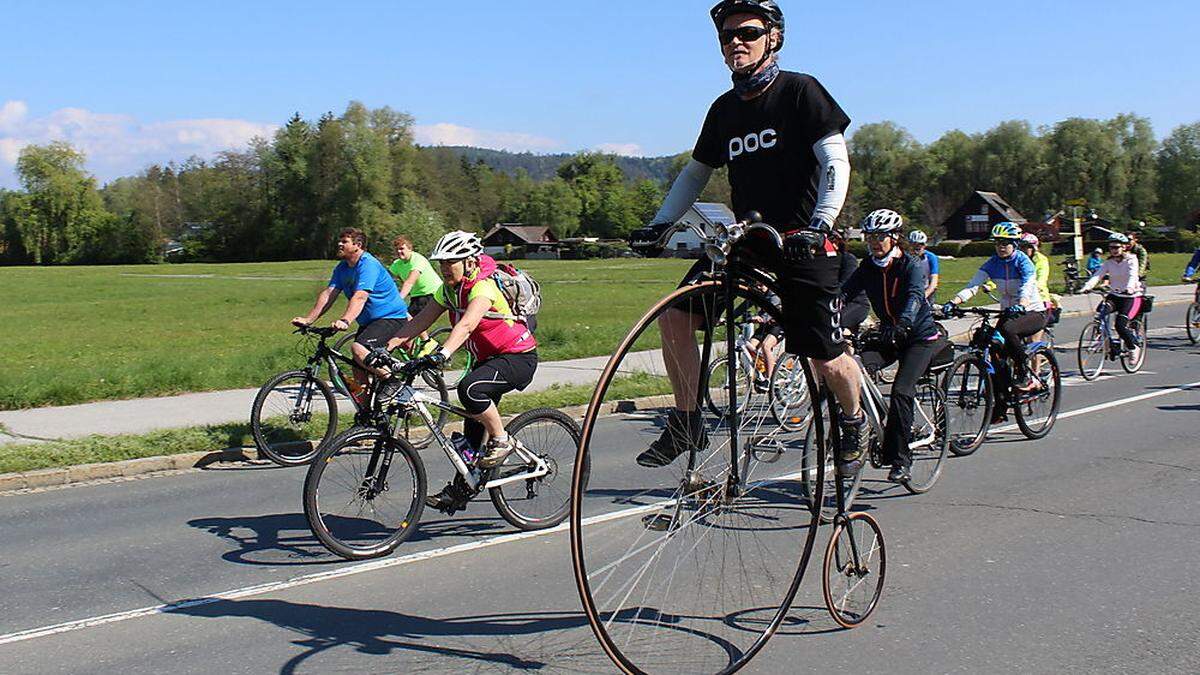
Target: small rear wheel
{"type": "Point", "coordinates": [292, 417]}
{"type": "Point", "coordinates": [551, 437]}
{"type": "Point", "coordinates": [855, 569]}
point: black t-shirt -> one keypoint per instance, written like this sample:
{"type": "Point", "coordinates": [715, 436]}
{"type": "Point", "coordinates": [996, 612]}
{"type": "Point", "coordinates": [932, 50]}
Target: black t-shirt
{"type": "Point", "coordinates": [767, 143]}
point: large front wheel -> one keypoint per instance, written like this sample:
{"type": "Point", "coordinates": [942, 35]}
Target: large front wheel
{"type": "Point", "coordinates": [688, 562]}
{"type": "Point", "coordinates": [293, 416]}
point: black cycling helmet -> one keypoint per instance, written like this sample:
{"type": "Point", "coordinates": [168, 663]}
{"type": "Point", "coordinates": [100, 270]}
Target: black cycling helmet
{"type": "Point", "coordinates": [768, 10]}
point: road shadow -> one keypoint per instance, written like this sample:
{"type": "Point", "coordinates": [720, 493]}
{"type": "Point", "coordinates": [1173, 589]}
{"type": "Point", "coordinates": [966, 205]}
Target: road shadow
{"type": "Point", "coordinates": [1179, 408]}
{"type": "Point", "coordinates": [549, 641]}
{"type": "Point", "coordinates": [285, 538]}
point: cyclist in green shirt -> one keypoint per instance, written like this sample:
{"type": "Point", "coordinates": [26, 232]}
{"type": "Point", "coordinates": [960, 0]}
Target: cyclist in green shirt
{"type": "Point", "coordinates": [1143, 256]}
{"type": "Point", "coordinates": [418, 280]}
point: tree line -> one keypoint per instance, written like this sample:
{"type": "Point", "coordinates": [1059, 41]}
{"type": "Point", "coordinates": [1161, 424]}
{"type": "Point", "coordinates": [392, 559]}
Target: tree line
{"type": "Point", "coordinates": [286, 197]}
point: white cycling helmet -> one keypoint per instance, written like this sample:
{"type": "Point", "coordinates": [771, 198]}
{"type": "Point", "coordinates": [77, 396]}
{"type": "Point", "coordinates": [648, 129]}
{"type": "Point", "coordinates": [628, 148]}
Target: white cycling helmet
{"type": "Point", "coordinates": [918, 237]}
{"type": "Point", "coordinates": [883, 221]}
{"type": "Point", "coordinates": [1118, 238]}
{"type": "Point", "coordinates": [457, 245]}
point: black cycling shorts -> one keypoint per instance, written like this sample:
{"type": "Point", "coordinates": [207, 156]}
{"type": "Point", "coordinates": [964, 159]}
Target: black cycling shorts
{"type": "Point", "coordinates": [810, 294]}
{"type": "Point", "coordinates": [378, 332]}
{"type": "Point", "coordinates": [490, 380]}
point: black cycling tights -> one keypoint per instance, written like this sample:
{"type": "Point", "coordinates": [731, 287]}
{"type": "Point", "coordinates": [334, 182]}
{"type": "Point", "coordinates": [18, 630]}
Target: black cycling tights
{"type": "Point", "coordinates": [490, 380]}
{"type": "Point", "coordinates": [1127, 309]}
{"type": "Point", "coordinates": [1014, 329]}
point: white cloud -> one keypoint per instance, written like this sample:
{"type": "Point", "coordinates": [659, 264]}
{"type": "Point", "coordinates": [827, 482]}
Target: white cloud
{"type": "Point", "coordinates": [118, 145]}
{"type": "Point", "coordinates": [452, 134]}
{"type": "Point", "coordinates": [626, 149]}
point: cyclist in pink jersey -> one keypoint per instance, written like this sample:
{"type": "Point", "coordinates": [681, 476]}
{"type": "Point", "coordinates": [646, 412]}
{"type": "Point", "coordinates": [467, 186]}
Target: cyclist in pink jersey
{"type": "Point", "coordinates": [504, 348]}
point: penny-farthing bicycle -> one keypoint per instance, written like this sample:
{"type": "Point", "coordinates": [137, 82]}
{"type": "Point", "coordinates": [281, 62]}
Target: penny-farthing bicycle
{"type": "Point", "coordinates": [691, 567]}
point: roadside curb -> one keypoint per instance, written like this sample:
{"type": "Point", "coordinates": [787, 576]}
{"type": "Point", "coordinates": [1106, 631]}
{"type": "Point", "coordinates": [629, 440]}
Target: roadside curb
{"type": "Point", "coordinates": [83, 473]}
{"type": "Point", "coordinates": [42, 478]}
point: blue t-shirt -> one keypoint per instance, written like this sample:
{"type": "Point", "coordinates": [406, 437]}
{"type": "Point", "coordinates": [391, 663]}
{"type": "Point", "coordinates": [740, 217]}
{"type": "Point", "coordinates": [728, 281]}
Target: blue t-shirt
{"type": "Point", "coordinates": [383, 299]}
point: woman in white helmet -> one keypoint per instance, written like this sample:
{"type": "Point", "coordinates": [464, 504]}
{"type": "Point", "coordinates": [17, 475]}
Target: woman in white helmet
{"type": "Point", "coordinates": [504, 348]}
{"type": "Point", "coordinates": [1124, 287]}
{"type": "Point", "coordinates": [929, 262]}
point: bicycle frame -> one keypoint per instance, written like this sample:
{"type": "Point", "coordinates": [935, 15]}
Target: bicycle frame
{"type": "Point", "coordinates": [409, 399]}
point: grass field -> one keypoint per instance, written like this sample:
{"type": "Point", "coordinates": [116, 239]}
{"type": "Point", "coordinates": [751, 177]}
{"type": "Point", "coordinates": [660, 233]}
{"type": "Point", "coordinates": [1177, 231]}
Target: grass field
{"type": "Point", "coordinates": [76, 334]}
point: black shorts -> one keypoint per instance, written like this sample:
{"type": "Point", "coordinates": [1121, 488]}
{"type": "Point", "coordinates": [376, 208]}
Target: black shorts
{"type": "Point", "coordinates": [378, 332]}
{"type": "Point", "coordinates": [810, 294]}
{"type": "Point", "coordinates": [417, 303]}
{"type": "Point", "coordinates": [773, 329]}
{"type": "Point", "coordinates": [490, 380]}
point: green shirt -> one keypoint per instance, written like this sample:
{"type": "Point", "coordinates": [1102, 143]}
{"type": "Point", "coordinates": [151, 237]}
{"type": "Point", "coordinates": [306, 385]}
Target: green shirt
{"type": "Point", "coordinates": [1143, 259]}
{"type": "Point", "coordinates": [427, 284]}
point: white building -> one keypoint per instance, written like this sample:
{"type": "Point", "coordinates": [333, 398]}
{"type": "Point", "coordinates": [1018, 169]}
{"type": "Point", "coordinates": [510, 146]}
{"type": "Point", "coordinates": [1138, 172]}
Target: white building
{"type": "Point", "coordinates": [687, 244]}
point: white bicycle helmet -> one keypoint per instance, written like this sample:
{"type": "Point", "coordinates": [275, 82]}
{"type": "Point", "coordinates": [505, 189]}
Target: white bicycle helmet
{"type": "Point", "coordinates": [883, 221]}
{"type": "Point", "coordinates": [1117, 237]}
{"type": "Point", "coordinates": [918, 237]}
{"type": "Point", "coordinates": [457, 245]}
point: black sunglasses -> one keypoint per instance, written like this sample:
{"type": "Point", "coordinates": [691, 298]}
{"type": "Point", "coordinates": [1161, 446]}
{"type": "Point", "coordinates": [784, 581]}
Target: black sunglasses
{"type": "Point", "coordinates": [746, 34]}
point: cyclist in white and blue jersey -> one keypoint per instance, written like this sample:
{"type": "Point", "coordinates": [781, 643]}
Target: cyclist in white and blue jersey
{"type": "Point", "coordinates": [1015, 278]}
{"type": "Point", "coordinates": [927, 260]}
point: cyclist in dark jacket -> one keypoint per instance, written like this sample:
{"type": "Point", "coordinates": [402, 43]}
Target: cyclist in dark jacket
{"type": "Point", "coordinates": [895, 284]}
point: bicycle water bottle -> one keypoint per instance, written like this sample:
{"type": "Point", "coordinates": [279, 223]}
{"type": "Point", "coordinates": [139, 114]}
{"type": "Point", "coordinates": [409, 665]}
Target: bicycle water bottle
{"type": "Point", "coordinates": [463, 447]}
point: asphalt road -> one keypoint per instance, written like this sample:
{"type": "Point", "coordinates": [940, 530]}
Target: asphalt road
{"type": "Point", "coordinates": [1077, 552]}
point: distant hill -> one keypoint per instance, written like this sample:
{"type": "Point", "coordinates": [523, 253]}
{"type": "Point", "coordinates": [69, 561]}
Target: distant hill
{"type": "Point", "coordinates": [543, 167]}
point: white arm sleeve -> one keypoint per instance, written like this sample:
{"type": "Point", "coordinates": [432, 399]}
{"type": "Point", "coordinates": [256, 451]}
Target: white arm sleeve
{"type": "Point", "coordinates": [834, 159]}
{"type": "Point", "coordinates": [684, 191]}
{"type": "Point", "coordinates": [972, 286]}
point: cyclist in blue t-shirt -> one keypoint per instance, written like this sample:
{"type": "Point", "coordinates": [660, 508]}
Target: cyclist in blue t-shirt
{"type": "Point", "coordinates": [374, 300]}
{"type": "Point", "coordinates": [927, 260]}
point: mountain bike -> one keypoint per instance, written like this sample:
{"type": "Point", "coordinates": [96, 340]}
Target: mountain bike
{"type": "Point", "coordinates": [972, 391]}
{"type": "Point", "coordinates": [1191, 320]}
{"type": "Point", "coordinates": [691, 567]}
{"type": "Point", "coordinates": [929, 441]}
{"type": "Point", "coordinates": [1099, 341]}
{"type": "Point", "coordinates": [295, 413]}
{"type": "Point", "coordinates": [365, 491]}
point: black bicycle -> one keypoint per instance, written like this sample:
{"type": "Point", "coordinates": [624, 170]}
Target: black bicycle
{"type": "Point", "coordinates": [295, 413]}
{"type": "Point", "coordinates": [972, 391]}
{"type": "Point", "coordinates": [365, 492]}
{"type": "Point", "coordinates": [691, 567]}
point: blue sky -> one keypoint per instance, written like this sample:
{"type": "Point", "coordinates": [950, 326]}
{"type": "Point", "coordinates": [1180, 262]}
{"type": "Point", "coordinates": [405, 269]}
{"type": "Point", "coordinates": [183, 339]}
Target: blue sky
{"type": "Point", "coordinates": [137, 82]}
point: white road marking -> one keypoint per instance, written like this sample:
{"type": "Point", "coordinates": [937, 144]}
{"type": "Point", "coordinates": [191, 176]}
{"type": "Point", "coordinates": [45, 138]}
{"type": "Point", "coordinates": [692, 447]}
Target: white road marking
{"type": "Point", "coordinates": [307, 579]}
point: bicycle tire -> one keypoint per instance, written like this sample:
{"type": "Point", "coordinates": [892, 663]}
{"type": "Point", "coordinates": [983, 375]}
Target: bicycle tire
{"type": "Point", "coordinates": [334, 530]}
{"type": "Point", "coordinates": [967, 396]}
{"type": "Point", "coordinates": [1135, 365]}
{"type": "Point", "coordinates": [1035, 427]}
{"type": "Point", "coordinates": [1192, 322]}
{"type": "Point", "coordinates": [844, 562]}
{"type": "Point", "coordinates": [680, 609]}
{"type": "Point", "coordinates": [791, 404]}
{"type": "Point", "coordinates": [822, 500]}
{"type": "Point", "coordinates": [291, 444]}
{"type": "Point", "coordinates": [928, 461]}
{"type": "Point", "coordinates": [1091, 352]}
{"type": "Point", "coordinates": [716, 393]}
{"type": "Point", "coordinates": [555, 509]}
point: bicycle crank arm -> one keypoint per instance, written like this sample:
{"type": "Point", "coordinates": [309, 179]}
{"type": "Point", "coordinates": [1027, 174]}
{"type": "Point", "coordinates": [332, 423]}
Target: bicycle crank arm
{"type": "Point", "coordinates": [541, 470]}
